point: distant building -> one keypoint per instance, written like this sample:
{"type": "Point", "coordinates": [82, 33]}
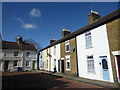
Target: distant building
{"type": "Point", "coordinates": [17, 56]}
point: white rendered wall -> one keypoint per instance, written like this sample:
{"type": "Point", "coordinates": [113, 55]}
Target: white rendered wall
{"type": "Point", "coordinates": [100, 48]}
{"type": "Point", "coordinates": [31, 58]}
{"type": "Point", "coordinates": [55, 56]}
{"type": "Point", "coordinates": [41, 60]}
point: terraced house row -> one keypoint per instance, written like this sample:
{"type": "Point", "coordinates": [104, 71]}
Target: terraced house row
{"type": "Point", "coordinates": [91, 53]}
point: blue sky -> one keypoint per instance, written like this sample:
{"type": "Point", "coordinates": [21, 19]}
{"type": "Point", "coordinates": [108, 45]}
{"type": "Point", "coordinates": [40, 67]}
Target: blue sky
{"type": "Point", "coordinates": [44, 20]}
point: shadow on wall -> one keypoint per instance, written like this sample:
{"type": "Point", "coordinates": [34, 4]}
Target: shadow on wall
{"type": "Point", "coordinates": [38, 80]}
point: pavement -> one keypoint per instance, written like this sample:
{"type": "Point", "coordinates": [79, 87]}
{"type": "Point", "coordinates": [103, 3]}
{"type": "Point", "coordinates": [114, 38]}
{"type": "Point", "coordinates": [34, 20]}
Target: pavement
{"type": "Point", "coordinates": [87, 81]}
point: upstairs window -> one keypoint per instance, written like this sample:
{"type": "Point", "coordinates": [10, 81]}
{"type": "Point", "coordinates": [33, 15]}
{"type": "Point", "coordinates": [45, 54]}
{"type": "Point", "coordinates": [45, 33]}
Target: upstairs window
{"type": "Point", "coordinates": [27, 53]}
{"type": "Point", "coordinates": [67, 46]}
{"type": "Point", "coordinates": [90, 64]}
{"type": "Point", "coordinates": [15, 53]}
{"type": "Point", "coordinates": [88, 39]}
{"type": "Point", "coordinates": [54, 50]}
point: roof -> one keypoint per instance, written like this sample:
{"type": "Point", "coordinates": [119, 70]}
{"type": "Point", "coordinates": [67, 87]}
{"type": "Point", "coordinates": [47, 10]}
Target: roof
{"type": "Point", "coordinates": [16, 46]}
{"type": "Point", "coordinates": [110, 17]}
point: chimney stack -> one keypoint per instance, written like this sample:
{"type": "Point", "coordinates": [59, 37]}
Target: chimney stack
{"type": "Point", "coordinates": [93, 16]}
{"type": "Point", "coordinates": [65, 32]}
{"type": "Point", "coordinates": [19, 40]}
{"type": "Point", "coordinates": [52, 40]}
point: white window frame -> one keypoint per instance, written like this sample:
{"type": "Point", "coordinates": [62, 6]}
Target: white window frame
{"type": "Point", "coordinates": [67, 43]}
{"type": "Point", "coordinates": [55, 50]}
{"type": "Point", "coordinates": [27, 54]}
{"type": "Point", "coordinates": [88, 39]}
{"type": "Point", "coordinates": [28, 64]}
{"type": "Point", "coordinates": [68, 61]}
{"type": "Point", "coordinates": [90, 64]}
{"type": "Point", "coordinates": [16, 63]}
{"type": "Point", "coordinates": [15, 54]}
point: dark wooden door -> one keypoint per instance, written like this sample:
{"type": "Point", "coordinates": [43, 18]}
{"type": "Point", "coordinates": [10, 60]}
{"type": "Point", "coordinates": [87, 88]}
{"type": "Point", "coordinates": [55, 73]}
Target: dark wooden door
{"type": "Point", "coordinates": [62, 66]}
{"type": "Point", "coordinates": [118, 63]}
{"type": "Point", "coordinates": [33, 65]}
{"type": "Point", "coordinates": [6, 65]}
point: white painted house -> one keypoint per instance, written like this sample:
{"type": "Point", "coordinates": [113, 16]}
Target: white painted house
{"type": "Point", "coordinates": [41, 60]}
{"type": "Point", "coordinates": [55, 58]}
{"type": "Point", "coordinates": [17, 56]}
{"type": "Point", "coordinates": [95, 48]}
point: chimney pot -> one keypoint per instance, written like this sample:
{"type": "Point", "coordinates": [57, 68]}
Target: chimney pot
{"type": "Point", "coordinates": [65, 32]}
{"type": "Point", "coordinates": [93, 16]}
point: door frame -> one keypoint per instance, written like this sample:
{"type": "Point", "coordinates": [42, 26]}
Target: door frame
{"type": "Point", "coordinates": [62, 68]}
{"type": "Point", "coordinates": [5, 65]}
{"type": "Point", "coordinates": [101, 67]}
{"type": "Point", "coordinates": [116, 53]}
{"type": "Point", "coordinates": [58, 65]}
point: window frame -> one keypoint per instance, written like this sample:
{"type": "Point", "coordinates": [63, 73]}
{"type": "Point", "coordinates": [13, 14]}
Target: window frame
{"type": "Point", "coordinates": [27, 54]}
{"type": "Point", "coordinates": [55, 50]}
{"type": "Point", "coordinates": [28, 63]}
{"type": "Point", "coordinates": [15, 54]}
{"type": "Point", "coordinates": [68, 61]}
{"type": "Point", "coordinates": [90, 64]}
{"type": "Point", "coordinates": [15, 64]}
{"type": "Point", "coordinates": [67, 43]}
{"type": "Point", "coordinates": [88, 39]}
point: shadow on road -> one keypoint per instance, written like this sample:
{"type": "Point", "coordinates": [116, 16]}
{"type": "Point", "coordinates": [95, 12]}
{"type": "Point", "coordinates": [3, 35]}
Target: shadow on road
{"type": "Point", "coordinates": [36, 80]}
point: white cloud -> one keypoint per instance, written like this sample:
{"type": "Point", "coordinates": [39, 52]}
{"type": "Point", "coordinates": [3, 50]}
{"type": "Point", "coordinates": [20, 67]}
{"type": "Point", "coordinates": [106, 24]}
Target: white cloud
{"type": "Point", "coordinates": [35, 12]}
{"type": "Point", "coordinates": [25, 25]}
{"type": "Point", "coordinates": [29, 26]}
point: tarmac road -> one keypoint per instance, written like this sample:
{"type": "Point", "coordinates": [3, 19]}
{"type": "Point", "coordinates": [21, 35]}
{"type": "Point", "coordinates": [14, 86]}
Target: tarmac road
{"type": "Point", "coordinates": [39, 80]}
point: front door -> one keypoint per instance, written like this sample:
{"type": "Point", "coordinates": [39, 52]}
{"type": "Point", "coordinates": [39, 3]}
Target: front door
{"type": "Point", "coordinates": [6, 65]}
{"type": "Point", "coordinates": [33, 65]}
{"type": "Point", "coordinates": [62, 66]}
{"type": "Point", "coordinates": [104, 66]}
{"type": "Point", "coordinates": [58, 65]}
{"type": "Point", "coordinates": [118, 63]}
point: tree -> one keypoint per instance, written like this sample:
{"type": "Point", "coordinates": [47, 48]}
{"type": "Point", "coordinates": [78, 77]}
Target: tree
{"type": "Point", "coordinates": [31, 41]}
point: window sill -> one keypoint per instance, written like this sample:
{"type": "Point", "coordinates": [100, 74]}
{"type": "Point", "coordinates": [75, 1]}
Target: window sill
{"type": "Point", "coordinates": [91, 73]}
{"type": "Point", "coordinates": [88, 47]}
{"type": "Point", "coordinates": [67, 69]}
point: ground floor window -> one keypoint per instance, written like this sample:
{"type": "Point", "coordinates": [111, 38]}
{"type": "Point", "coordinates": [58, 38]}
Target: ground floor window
{"type": "Point", "coordinates": [90, 64]}
{"type": "Point", "coordinates": [27, 63]}
{"type": "Point", "coordinates": [15, 63]}
{"type": "Point", "coordinates": [68, 63]}
{"type": "Point", "coordinates": [47, 64]}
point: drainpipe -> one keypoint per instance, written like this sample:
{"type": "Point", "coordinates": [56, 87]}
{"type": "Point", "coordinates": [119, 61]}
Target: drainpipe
{"type": "Point", "coordinates": [38, 61]}
{"type": "Point", "coordinates": [76, 57]}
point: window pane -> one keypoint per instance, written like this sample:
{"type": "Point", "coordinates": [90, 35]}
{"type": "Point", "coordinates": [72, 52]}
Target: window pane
{"type": "Point", "coordinates": [67, 47]}
{"type": "Point", "coordinates": [15, 63]}
{"type": "Point", "coordinates": [15, 53]}
{"type": "Point", "coordinates": [90, 63]}
{"type": "Point", "coordinates": [27, 63]}
{"type": "Point", "coordinates": [68, 65]}
{"type": "Point", "coordinates": [28, 54]}
{"type": "Point", "coordinates": [104, 64]}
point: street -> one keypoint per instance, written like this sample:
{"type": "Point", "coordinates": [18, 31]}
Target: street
{"type": "Point", "coordinates": [39, 80]}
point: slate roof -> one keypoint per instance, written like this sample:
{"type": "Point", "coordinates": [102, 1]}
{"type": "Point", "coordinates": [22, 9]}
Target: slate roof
{"type": "Point", "coordinates": [110, 17]}
{"type": "Point", "coordinates": [16, 46]}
